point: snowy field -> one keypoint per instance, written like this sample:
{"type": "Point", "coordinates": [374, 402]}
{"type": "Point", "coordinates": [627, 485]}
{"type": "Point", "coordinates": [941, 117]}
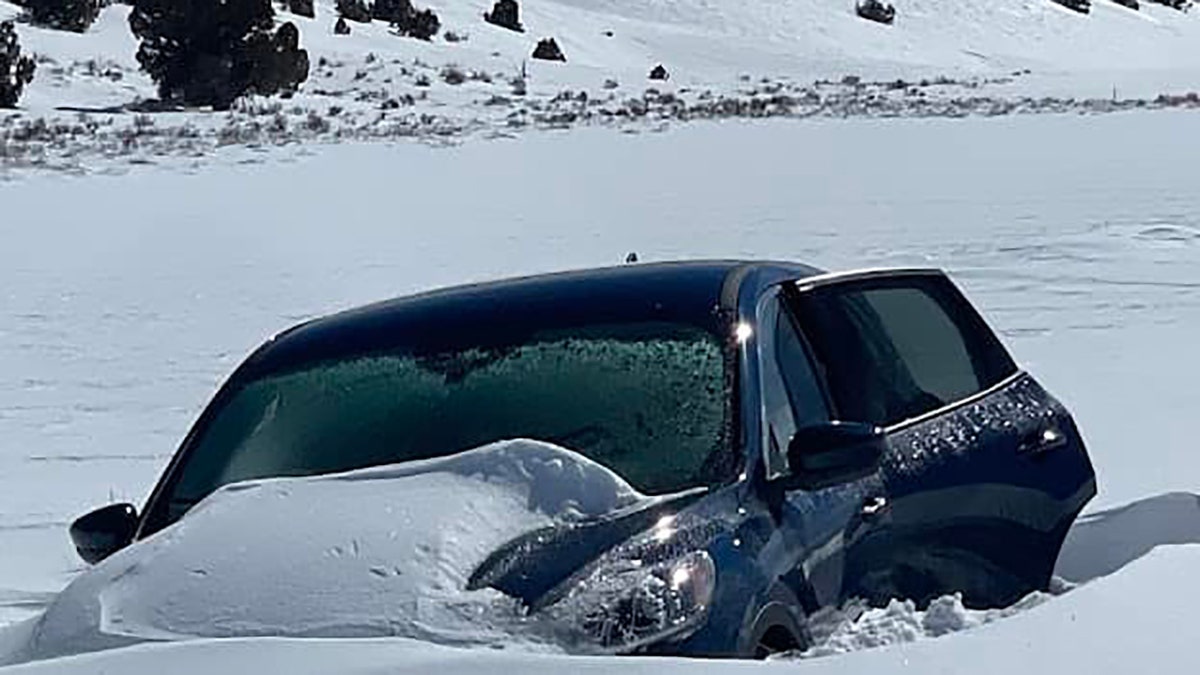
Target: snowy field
{"type": "Point", "coordinates": [1103, 628]}
{"type": "Point", "coordinates": [127, 298]}
{"type": "Point", "coordinates": [1046, 159]}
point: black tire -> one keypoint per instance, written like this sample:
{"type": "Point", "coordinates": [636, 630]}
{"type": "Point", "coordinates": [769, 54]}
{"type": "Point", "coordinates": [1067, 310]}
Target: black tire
{"type": "Point", "coordinates": [776, 640]}
{"type": "Point", "coordinates": [776, 631]}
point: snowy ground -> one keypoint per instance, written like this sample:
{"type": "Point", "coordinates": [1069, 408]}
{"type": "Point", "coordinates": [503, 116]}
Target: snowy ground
{"type": "Point", "coordinates": [126, 299]}
{"type": "Point", "coordinates": [127, 295]}
{"type": "Point", "coordinates": [1103, 628]}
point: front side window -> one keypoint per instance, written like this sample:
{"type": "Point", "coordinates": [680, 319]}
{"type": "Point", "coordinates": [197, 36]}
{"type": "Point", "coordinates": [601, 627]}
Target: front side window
{"type": "Point", "coordinates": [649, 401]}
{"type": "Point", "coordinates": [791, 395]}
{"type": "Point", "coordinates": [895, 348]}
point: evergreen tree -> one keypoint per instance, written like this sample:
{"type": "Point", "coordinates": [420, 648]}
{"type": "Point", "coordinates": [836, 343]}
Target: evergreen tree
{"type": "Point", "coordinates": [72, 15]}
{"type": "Point", "coordinates": [390, 10]}
{"type": "Point", "coordinates": [354, 10]}
{"type": "Point", "coordinates": [506, 14]}
{"type": "Point", "coordinates": [301, 7]}
{"type": "Point", "coordinates": [406, 19]}
{"type": "Point", "coordinates": [548, 50]}
{"type": "Point", "coordinates": [210, 52]}
{"type": "Point", "coordinates": [16, 71]}
{"type": "Point", "coordinates": [423, 24]}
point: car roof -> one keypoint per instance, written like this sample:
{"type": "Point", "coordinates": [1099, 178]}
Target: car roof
{"type": "Point", "coordinates": [684, 292]}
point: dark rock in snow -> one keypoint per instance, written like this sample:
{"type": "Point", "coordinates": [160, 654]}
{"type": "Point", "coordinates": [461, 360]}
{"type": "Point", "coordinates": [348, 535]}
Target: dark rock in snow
{"type": "Point", "coordinates": [1181, 5]}
{"type": "Point", "coordinates": [1081, 6]}
{"type": "Point", "coordinates": [506, 14]}
{"type": "Point", "coordinates": [341, 27]}
{"type": "Point", "coordinates": [659, 73]}
{"type": "Point", "coordinates": [548, 50]}
{"type": "Point", "coordinates": [876, 10]}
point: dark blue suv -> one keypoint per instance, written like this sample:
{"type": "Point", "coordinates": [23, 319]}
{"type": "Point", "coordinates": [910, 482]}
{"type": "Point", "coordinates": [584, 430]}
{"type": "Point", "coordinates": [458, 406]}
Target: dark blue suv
{"type": "Point", "coordinates": [813, 438]}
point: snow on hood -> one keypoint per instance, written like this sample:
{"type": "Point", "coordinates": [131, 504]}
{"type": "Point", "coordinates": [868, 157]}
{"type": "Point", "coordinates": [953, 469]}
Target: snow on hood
{"type": "Point", "coordinates": [377, 552]}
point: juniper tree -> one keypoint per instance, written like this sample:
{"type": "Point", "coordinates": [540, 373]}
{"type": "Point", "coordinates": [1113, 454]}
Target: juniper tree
{"type": "Point", "coordinates": [71, 15]}
{"type": "Point", "coordinates": [406, 19]}
{"type": "Point", "coordinates": [16, 71]}
{"type": "Point", "coordinates": [354, 10]}
{"type": "Point", "coordinates": [548, 50]}
{"type": "Point", "coordinates": [506, 14]}
{"type": "Point", "coordinates": [210, 52]}
{"type": "Point", "coordinates": [300, 7]}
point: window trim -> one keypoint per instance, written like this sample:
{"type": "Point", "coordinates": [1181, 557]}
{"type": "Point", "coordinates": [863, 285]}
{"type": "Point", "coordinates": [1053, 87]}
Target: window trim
{"type": "Point", "coordinates": [763, 348]}
{"type": "Point", "coordinates": [1017, 375]}
{"type": "Point", "coordinates": [777, 296]}
{"type": "Point", "coordinates": [801, 286]}
{"type": "Point", "coordinates": [809, 283]}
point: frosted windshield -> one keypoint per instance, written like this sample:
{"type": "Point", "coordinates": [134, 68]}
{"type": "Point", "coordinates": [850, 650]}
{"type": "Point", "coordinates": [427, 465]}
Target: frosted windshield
{"type": "Point", "coordinates": [650, 403]}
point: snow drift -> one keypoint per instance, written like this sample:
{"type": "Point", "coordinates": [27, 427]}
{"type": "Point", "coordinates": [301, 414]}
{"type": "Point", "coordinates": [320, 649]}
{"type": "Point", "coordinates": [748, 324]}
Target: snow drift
{"type": "Point", "coordinates": [1087, 631]}
{"type": "Point", "coordinates": [377, 552]}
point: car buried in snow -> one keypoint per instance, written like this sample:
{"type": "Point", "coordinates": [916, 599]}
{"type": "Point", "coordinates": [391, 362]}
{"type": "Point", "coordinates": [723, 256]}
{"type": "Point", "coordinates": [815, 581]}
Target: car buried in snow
{"type": "Point", "coordinates": [799, 440]}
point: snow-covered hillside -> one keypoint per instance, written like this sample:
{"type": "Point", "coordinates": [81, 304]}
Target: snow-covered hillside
{"type": "Point", "coordinates": [725, 58]}
{"type": "Point", "coordinates": [705, 41]}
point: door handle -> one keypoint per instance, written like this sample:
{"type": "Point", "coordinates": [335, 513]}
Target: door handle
{"type": "Point", "coordinates": [1043, 440]}
{"type": "Point", "coordinates": [873, 507]}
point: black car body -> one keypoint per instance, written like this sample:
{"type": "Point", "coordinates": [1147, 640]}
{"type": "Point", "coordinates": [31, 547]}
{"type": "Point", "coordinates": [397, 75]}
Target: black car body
{"type": "Point", "coordinates": [818, 439]}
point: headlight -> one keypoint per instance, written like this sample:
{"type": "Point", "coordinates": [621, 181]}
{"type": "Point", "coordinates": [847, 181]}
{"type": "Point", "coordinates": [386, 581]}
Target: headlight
{"type": "Point", "coordinates": [625, 605]}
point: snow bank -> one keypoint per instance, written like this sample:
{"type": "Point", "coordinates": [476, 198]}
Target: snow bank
{"type": "Point", "coordinates": [1103, 628]}
{"type": "Point", "coordinates": [902, 622]}
{"type": "Point", "coordinates": [378, 552]}
{"type": "Point", "coordinates": [1098, 545]}
{"type": "Point", "coordinates": [1102, 543]}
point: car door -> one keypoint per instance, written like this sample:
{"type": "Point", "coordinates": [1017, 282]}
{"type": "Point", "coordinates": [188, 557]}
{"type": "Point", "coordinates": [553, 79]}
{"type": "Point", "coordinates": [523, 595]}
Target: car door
{"type": "Point", "coordinates": [827, 528]}
{"type": "Point", "coordinates": [985, 470]}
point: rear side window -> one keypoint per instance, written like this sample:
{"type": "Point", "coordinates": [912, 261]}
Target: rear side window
{"type": "Point", "coordinates": [897, 347]}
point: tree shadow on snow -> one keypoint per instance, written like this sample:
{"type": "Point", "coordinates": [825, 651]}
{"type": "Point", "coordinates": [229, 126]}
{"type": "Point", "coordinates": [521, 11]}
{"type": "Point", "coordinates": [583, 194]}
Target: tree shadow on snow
{"type": "Point", "coordinates": [1102, 543]}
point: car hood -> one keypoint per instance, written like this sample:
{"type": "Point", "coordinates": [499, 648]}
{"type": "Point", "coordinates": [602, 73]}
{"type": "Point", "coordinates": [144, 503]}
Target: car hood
{"type": "Point", "coordinates": [533, 564]}
{"type": "Point", "coordinates": [445, 550]}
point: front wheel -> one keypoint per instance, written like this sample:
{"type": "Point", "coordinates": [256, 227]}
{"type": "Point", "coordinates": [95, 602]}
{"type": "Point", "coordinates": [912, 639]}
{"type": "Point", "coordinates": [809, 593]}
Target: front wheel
{"type": "Point", "coordinates": [776, 640]}
{"type": "Point", "coordinates": [776, 631]}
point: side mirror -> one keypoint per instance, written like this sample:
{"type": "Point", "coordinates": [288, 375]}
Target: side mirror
{"type": "Point", "coordinates": [830, 454]}
{"type": "Point", "coordinates": [104, 531]}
